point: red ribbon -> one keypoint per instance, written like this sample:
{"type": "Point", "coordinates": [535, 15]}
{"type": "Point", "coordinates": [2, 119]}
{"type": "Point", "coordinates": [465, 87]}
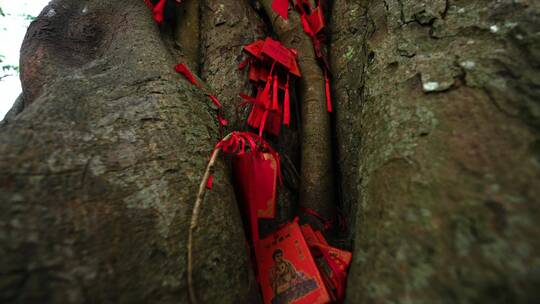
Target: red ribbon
{"type": "Point", "coordinates": [184, 70]}
{"type": "Point", "coordinates": [287, 104]}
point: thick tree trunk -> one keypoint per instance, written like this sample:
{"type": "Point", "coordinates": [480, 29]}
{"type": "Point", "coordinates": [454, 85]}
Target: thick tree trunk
{"type": "Point", "coordinates": [99, 173]}
{"type": "Point", "coordinates": [442, 99]}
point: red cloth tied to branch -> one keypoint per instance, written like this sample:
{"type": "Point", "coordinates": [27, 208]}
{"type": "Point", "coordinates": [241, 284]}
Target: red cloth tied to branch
{"type": "Point", "coordinates": [271, 66]}
{"type": "Point", "coordinates": [184, 70]}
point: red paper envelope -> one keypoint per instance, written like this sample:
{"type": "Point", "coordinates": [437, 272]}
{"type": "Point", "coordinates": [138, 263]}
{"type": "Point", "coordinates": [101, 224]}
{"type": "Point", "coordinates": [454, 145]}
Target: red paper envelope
{"type": "Point", "coordinates": [256, 176]}
{"type": "Point", "coordinates": [287, 271]}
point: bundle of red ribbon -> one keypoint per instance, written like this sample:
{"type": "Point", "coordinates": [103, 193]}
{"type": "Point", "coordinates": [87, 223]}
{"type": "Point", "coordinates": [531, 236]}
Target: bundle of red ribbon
{"type": "Point", "coordinates": [271, 66]}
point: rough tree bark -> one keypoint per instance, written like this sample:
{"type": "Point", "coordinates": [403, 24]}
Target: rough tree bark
{"type": "Point", "coordinates": [438, 125]}
{"type": "Point", "coordinates": [95, 193]}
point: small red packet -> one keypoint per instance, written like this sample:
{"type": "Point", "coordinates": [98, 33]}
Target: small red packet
{"type": "Point", "coordinates": [287, 271]}
{"type": "Point", "coordinates": [256, 176]}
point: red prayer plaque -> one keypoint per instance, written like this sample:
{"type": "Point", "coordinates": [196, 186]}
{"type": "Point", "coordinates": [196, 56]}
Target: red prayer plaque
{"type": "Point", "coordinates": [275, 50]}
{"type": "Point", "coordinates": [287, 271]}
{"type": "Point", "coordinates": [255, 48]}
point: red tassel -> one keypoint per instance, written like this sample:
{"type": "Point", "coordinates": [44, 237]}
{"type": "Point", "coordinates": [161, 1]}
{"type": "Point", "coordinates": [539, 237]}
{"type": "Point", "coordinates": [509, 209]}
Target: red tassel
{"type": "Point", "coordinates": [275, 104]}
{"type": "Point", "coordinates": [286, 105]}
{"type": "Point", "coordinates": [222, 121]}
{"type": "Point", "coordinates": [265, 95]}
{"type": "Point", "coordinates": [263, 122]}
{"type": "Point", "coordinates": [216, 101]}
{"type": "Point", "coordinates": [265, 100]}
{"type": "Point", "coordinates": [210, 182]}
{"type": "Point", "coordinates": [281, 7]}
{"type": "Point", "coordinates": [328, 93]}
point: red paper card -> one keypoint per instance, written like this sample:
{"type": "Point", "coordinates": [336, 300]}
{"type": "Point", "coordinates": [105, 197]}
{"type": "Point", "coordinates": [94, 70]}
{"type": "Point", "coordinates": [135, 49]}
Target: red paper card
{"type": "Point", "coordinates": [287, 271]}
{"type": "Point", "coordinates": [256, 176]}
{"type": "Point", "coordinates": [275, 50]}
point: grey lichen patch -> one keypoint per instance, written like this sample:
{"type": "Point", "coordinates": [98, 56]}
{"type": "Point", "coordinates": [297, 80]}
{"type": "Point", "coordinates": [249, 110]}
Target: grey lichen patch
{"type": "Point", "coordinates": [438, 72]}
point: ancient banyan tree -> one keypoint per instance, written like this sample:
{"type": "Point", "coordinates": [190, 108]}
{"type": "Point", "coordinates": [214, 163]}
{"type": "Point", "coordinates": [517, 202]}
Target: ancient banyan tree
{"type": "Point", "coordinates": [274, 151]}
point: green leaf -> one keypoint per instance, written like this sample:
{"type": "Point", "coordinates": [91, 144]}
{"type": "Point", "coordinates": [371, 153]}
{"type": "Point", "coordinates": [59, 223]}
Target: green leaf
{"type": "Point", "coordinates": [2, 12]}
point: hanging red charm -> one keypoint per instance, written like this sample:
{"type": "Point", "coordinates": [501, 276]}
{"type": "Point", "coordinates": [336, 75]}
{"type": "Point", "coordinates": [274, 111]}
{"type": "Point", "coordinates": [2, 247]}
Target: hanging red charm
{"type": "Point", "coordinates": [271, 67]}
{"type": "Point", "coordinates": [256, 172]}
